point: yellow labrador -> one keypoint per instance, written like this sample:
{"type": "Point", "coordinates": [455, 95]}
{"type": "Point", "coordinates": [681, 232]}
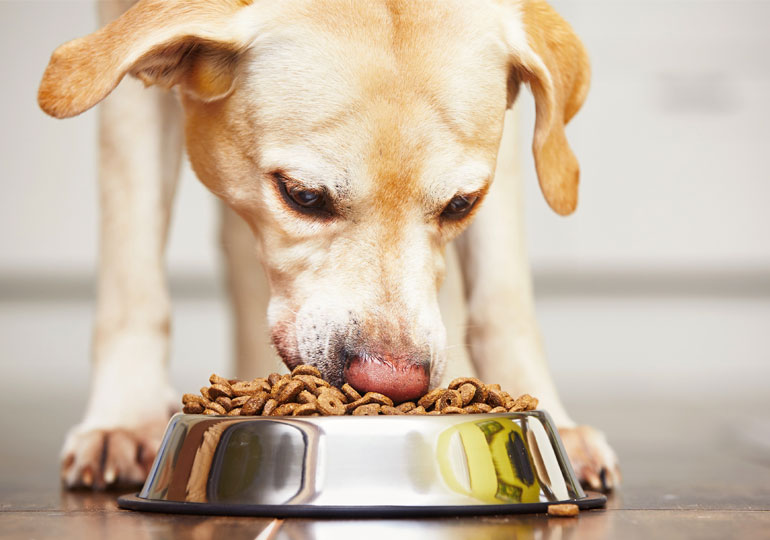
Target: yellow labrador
{"type": "Point", "coordinates": [356, 139]}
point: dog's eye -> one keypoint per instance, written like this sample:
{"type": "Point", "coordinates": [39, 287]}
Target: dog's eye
{"type": "Point", "coordinates": [306, 198]}
{"type": "Point", "coordinates": [459, 206]}
{"type": "Point", "coordinates": [308, 201]}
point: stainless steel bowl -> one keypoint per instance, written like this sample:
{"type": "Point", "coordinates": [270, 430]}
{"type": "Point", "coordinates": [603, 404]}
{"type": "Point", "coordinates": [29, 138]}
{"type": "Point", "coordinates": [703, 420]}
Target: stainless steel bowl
{"type": "Point", "coordinates": [361, 466]}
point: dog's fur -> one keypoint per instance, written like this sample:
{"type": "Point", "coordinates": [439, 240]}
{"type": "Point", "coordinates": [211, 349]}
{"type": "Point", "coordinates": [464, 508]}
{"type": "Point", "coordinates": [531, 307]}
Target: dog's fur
{"type": "Point", "coordinates": [388, 107]}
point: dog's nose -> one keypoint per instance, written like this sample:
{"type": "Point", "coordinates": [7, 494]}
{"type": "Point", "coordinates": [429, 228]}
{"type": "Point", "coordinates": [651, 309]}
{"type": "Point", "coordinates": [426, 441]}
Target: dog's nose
{"type": "Point", "coordinates": [401, 378]}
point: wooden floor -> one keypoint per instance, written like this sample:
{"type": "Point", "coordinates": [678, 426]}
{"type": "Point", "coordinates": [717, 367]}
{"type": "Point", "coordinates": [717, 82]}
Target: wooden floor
{"type": "Point", "coordinates": [691, 470]}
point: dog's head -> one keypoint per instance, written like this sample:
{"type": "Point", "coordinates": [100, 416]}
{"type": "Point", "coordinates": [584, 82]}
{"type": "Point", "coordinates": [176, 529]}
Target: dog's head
{"type": "Point", "coordinates": [356, 138]}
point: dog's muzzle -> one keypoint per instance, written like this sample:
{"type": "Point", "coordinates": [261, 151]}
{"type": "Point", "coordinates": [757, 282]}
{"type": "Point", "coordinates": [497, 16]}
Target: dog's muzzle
{"type": "Point", "coordinates": [401, 378]}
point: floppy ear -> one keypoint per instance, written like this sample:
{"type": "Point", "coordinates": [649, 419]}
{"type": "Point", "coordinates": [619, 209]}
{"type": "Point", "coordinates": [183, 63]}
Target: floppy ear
{"type": "Point", "coordinates": [555, 64]}
{"type": "Point", "coordinates": [193, 43]}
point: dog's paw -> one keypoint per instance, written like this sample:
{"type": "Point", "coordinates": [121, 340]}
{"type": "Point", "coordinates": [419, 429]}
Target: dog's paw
{"type": "Point", "coordinates": [103, 458]}
{"type": "Point", "coordinates": [592, 458]}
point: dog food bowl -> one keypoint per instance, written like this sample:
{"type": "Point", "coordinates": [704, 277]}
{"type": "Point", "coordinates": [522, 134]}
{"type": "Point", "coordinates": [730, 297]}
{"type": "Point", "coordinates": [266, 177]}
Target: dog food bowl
{"type": "Point", "coordinates": [361, 466]}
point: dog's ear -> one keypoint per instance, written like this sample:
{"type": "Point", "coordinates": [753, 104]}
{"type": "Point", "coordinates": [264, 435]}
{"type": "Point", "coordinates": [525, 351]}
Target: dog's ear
{"type": "Point", "coordinates": [555, 64]}
{"type": "Point", "coordinates": [193, 43]}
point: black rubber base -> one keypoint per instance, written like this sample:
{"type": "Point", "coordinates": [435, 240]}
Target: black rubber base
{"type": "Point", "coordinates": [133, 502]}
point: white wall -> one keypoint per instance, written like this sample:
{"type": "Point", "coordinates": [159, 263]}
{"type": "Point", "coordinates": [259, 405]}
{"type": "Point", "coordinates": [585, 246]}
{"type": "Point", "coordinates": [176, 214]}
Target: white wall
{"type": "Point", "coordinates": [672, 140]}
{"type": "Point", "coordinates": [673, 144]}
{"type": "Point", "coordinates": [48, 211]}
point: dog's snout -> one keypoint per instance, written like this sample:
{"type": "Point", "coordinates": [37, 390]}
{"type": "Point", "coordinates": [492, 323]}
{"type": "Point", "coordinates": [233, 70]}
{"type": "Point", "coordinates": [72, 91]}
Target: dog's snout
{"type": "Point", "coordinates": [400, 377]}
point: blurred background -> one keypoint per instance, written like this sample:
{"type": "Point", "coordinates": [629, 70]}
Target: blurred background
{"type": "Point", "coordinates": [657, 291]}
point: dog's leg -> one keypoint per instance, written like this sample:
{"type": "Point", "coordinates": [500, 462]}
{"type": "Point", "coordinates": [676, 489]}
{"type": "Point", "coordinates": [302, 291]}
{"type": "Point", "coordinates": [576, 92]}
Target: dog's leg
{"type": "Point", "coordinates": [249, 295]}
{"type": "Point", "coordinates": [503, 334]}
{"type": "Point", "coordinates": [129, 404]}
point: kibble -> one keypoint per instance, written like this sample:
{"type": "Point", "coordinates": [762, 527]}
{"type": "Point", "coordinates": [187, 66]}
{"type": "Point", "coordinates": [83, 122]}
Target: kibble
{"type": "Point", "coordinates": [305, 393]}
{"type": "Point", "coordinates": [563, 510]}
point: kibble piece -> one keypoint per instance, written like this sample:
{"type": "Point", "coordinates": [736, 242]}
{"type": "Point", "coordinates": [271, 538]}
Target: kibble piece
{"type": "Point", "coordinates": [306, 409]}
{"type": "Point", "coordinates": [290, 391]}
{"type": "Point", "coordinates": [330, 405]}
{"type": "Point", "coordinates": [214, 406]}
{"type": "Point", "coordinates": [381, 399]}
{"type": "Point", "coordinates": [210, 412]}
{"type": "Point", "coordinates": [434, 412]}
{"type": "Point", "coordinates": [310, 386]}
{"type": "Point", "coordinates": [240, 401]}
{"type": "Point", "coordinates": [205, 393]}
{"type": "Point", "coordinates": [531, 402]}
{"type": "Point", "coordinates": [417, 410]}
{"type": "Point", "coordinates": [495, 397]}
{"type": "Point", "coordinates": [273, 378]}
{"type": "Point", "coordinates": [270, 406]}
{"type": "Point", "coordinates": [216, 379]}
{"type": "Point", "coordinates": [524, 403]}
{"type": "Point", "coordinates": [453, 410]}
{"type": "Point", "coordinates": [314, 384]}
{"type": "Point", "coordinates": [337, 392]}
{"type": "Point", "coordinates": [305, 369]}
{"type": "Point", "coordinates": [285, 409]}
{"type": "Point", "coordinates": [563, 510]}
{"type": "Point", "coordinates": [449, 398]}
{"type": "Point", "coordinates": [319, 382]}
{"type": "Point", "coordinates": [350, 392]}
{"type": "Point", "coordinates": [243, 388]}
{"type": "Point", "coordinates": [481, 389]}
{"type": "Point", "coordinates": [262, 382]}
{"type": "Point", "coordinates": [275, 391]}
{"type": "Point", "coordinates": [365, 400]}
{"type": "Point", "coordinates": [234, 412]}
{"type": "Point", "coordinates": [193, 408]}
{"type": "Point", "coordinates": [391, 411]}
{"type": "Point", "coordinates": [306, 397]}
{"type": "Point", "coordinates": [477, 408]}
{"type": "Point", "coordinates": [406, 406]}
{"type": "Point", "coordinates": [216, 390]}
{"type": "Point", "coordinates": [370, 409]}
{"type": "Point", "coordinates": [481, 395]}
{"type": "Point", "coordinates": [225, 402]}
{"type": "Point", "coordinates": [458, 382]}
{"type": "Point", "coordinates": [193, 398]}
{"type": "Point", "coordinates": [430, 398]}
{"type": "Point", "coordinates": [498, 410]}
{"type": "Point", "coordinates": [255, 404]}
{"type": "Point", "coordinates": [467, 391]}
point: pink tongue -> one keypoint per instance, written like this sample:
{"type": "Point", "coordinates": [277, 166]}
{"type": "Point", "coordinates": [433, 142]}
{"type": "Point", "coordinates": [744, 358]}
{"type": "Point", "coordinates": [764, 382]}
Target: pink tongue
{"type": "Point", "coordinates": [401, 382]}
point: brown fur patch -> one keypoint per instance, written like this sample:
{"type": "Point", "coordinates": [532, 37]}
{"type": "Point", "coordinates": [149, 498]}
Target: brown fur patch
{"type": "Point", "coordinates": [559, 93]}
{"type": "Point", "coordinates": [83, 71]}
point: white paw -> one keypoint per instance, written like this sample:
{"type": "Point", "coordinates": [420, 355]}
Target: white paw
{"type": "Point", "coordinates": [592, 458]}
{"type": "Point", "coordinates": [119, 437]}
{"type": "Point", "coordinates": [101, 458]}
{"type": "Point", "coordinates": [128, 409]}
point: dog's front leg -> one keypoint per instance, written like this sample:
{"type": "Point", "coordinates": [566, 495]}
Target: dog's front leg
{"type": "Point", "coordinates": [503, 334]}
{"type": "Point", "coordinates": [249, 295]}
{"type": "Point", "coordinates": [129, 403]}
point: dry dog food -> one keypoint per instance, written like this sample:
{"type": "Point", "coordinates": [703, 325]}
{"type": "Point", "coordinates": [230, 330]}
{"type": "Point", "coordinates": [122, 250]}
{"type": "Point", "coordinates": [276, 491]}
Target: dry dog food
{"type": "Point", "coordinates": [305, 393]}
{"type": "Point", "coordinates": [563, 510]}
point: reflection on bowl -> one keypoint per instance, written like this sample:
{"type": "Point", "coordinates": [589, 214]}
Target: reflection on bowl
{"type": "Point", "coordinates": [386, 465]}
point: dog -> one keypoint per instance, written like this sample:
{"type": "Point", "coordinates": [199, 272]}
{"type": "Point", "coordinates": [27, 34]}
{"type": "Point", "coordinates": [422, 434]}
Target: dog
{"type": "Point", "coordinates": [354, 140]}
